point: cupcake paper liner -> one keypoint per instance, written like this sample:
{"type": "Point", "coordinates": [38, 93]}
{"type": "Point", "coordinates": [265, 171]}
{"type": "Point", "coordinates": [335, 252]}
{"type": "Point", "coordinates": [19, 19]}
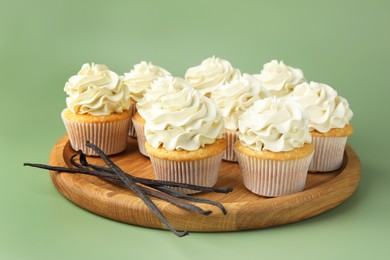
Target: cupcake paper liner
{"type": "Point", "coordinates": [273, 178]}
{"type": "Point", "coordinates": [111, 137]}
{"type": "Point", "coordinates": [231, 138]}
{"type": "Point", "coordinates": [198, 172]}
{"type": "Point", "coordinates": [328, 153]}
{"type": "Point", "coordinates": [132, 131]}
{"type": "Point", "coordinates": [141, 138]}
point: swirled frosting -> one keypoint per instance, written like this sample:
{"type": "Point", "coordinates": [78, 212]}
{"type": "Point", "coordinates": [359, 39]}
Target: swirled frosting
{"type": "Point", "coordinates": [140, 78]}
{"type": "Point", "coordinates": [178, 117]}
{"type": "Point", "coordinates": [326, 109]}
{"type": "Point", "coordinates": [280, 79]}
{"type": "Point", "coordinates": [97, 91]}
{"type": "Point", "coordinates": [237, 96]}
{"type": "Point", "coordinates": [274, 124]}
{"type": "Point", "coordinates": [211, 73]}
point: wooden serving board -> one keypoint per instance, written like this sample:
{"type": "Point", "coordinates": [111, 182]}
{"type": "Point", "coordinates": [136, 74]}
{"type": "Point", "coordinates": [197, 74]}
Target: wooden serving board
{"type": "Point", "coordinates": [246, 210]}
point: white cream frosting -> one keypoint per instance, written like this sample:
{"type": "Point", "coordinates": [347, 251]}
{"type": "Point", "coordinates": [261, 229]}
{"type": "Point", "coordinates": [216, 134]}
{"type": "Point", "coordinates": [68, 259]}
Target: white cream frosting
{"type": "Point", "coordinates": [211, 73]}
{"type": "Point", "coordinates": [178, 117]}
{"type": "Point", "coordinates": [140, 77]}
{"type": "Point", "coordinates": [236, 97]}
{"type": "Point", "coordinates": [97, 91]}
{"type": "Point", "coordinates": [280, 79]}
{"type": "Point", "coordinates": [274, 124]}
{"type": "Point", "coordinates": [326, 109]}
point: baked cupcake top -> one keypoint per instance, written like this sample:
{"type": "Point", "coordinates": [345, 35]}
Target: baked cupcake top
{"type": "Point", "coordinates": [97, 91]}
{"type": "Point", "coordinates": [280, 79]}
{"type": "Point", "coordinates": [178, 117]}
{"type": "Point", "coordinates": [326, 109]}
{"type": "Point", "coordinates": [275, 125]}
{"type": "Point", "coordinates": [211, 73]}
{"type": "Point", "coordinates": [140, 78]}
{"type": "Point", "coordinates": [236, 96]}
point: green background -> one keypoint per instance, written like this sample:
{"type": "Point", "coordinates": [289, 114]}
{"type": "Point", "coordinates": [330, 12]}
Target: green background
{"type": "Point", "coordinates": [345, 44]}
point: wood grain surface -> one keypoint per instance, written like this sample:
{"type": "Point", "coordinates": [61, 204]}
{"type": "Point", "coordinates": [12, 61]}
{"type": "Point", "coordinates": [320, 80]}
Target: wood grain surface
{"type": "Point", "coordinates": [245, 210]}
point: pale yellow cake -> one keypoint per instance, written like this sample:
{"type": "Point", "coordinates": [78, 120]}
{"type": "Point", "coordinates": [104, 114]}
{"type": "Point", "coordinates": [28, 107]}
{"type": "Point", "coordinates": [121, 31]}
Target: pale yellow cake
{"type": "Point", "coordinates": [207, 151]}
{"type": "Point", "coordinates": [296, 153]}
{"type": "Point", "coordinates": [347, 130]}
{"type": "Point", "coordinates": [91, 119]}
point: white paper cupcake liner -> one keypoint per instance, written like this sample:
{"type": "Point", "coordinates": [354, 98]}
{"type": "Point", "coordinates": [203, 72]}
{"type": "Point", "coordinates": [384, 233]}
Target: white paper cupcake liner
{"type": "Point", "coordinates": [132, 131]}
{"type": "Point", "coordinates": [198, 172]}
{"type": "Point", "coordinates": [273, 178]}
{"type": "Point", "coordinates": [141, 138]}
{"type": "Point", "coordinates": [231, 138]}
{"type": "Point", "coordinates": [328, 153]}
{"type": "Point", "coordinates": [110, 137]}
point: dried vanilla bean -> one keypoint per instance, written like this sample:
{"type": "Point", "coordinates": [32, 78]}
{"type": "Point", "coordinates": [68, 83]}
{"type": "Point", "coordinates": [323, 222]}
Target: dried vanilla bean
{"type": "Point", "coordinates": [155, 193]}
{"type": "Point", "coordinates": [115, 180]}
{"type": "Point", "coordinates": [155, 188]}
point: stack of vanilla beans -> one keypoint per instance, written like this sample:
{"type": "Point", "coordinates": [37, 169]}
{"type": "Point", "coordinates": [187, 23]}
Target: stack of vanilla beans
{"type": "Point", "coordinates": [142, 187]}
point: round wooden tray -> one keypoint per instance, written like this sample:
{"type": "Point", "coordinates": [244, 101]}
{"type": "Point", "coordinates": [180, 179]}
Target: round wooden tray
{"type": "Point", "coordinates": [246, 210]}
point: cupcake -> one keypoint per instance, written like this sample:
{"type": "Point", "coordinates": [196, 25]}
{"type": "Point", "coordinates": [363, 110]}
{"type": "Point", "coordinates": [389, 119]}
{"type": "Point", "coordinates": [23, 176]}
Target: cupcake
{"type": "Point", "coordinates": [138, 80]}
{"type": "Point", "coordinates": [280, 79]}
{"type": "Point", "coordinates": [233, 99]}
{"type": "Point", "coordinates": [329, 116]}
{"type": "Point", "coordinates": [183, 133]}
{"type": "Point", "coordinates": [98, 110]}
{"type": "Point", "coordinates": [211, 73]}
{"type": "Point", "coordinates": [274, 149]}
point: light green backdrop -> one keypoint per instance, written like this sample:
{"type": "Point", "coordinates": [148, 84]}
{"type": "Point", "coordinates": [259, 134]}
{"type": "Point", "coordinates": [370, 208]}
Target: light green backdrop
{"type": "Point", "coordinates": [42, 43]}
